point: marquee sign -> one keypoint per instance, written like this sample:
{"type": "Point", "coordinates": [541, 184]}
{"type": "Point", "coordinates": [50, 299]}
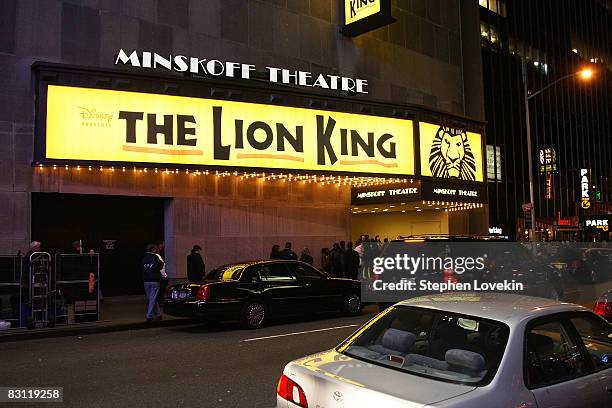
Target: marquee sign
{"type": "Point", "coordinates": [450, 153]}
{"type": "Point", "coordinates": [389, 193]}
{"type": "Point", "coordinates": [97, 125]}
{"type": "Point", "coordinates": [360, 16]}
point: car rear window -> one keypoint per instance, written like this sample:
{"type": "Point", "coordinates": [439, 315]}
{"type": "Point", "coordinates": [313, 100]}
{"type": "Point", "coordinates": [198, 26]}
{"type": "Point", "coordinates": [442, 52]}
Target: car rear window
{"type": "Point", "coordinates": [435, 344]}
{"type": "Point", "coordinates": [226, 273]}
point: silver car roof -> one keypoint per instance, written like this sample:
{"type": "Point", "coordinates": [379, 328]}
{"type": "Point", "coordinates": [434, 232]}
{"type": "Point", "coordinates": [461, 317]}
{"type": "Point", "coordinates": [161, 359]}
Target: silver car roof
{"type": "Point", "coordinates": [508, 308]}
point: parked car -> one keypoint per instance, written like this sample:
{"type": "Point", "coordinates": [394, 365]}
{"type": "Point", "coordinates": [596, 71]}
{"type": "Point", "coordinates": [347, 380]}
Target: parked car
{"type": "Point", "coordinates": [595, 265]}
{"type": "Point", "coordinates": [460, 351]}
{"type": "Point", "coordinates": [603, 306]}
{"type": "Point", "coordinates": [253, 292]}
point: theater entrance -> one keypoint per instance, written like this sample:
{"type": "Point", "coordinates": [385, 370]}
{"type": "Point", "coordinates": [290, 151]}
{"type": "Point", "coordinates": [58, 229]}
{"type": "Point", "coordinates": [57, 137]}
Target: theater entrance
{"type": "Point", "coordinates": [117, 227]}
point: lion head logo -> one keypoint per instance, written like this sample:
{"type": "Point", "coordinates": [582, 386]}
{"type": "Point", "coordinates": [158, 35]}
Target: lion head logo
{"type": "Point", "coordinates": [451, 155]}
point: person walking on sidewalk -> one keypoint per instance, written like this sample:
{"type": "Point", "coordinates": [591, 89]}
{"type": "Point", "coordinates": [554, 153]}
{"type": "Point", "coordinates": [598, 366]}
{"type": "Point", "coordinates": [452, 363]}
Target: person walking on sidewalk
{"type": "Point", "coordinates": [151, 276]}
{"type": "Point", "coordinates": [195, 265]}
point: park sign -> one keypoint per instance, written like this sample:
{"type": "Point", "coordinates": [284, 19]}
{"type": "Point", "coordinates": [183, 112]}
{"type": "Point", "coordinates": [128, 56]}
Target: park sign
{"type": "Point", "coordinates": [360, 16]}
{"type": "Point", "coordinates": [100, 126]}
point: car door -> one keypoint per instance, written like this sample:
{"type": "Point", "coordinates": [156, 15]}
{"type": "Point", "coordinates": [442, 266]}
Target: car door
{"type": "Point", "coordinates": [595, 335]}
{"type": "Point", "coordinates": [556, 369]}
{"type": "Point", "coordinates": [322, 294]}
{"type": "Point", "coordinates": [281, 289]}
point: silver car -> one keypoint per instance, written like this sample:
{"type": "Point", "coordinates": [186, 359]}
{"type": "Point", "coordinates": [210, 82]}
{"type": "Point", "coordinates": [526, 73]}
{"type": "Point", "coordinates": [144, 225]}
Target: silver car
{"type": "Point", "coordinates": [462, 350]}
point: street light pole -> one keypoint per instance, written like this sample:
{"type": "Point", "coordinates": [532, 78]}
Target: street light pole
{"type": "Point", "coordinates": [586, 74]}
{"type": "Point", "coordinates": [529, 158]}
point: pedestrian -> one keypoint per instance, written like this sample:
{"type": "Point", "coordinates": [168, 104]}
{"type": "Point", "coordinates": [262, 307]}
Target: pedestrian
{"type": "Point", "coordinates": [325, 260]}
{"type": "Point", "coordinates": [151, 276]}
{"type": "Point", "coordinates": [287, 253]}
{"type": "Point", "coordinates": [196, 269]}
{"type": "Point", "coordinates": [275, 253]}
{"type": "Point", "coordinates": [351, 262]}
{"type": "Point", "coordinates": [342, 251]}
{"type": "Point", "coordinates": [163, 282]}
{"type": "Point", "coordinates": [306, 257]}
{"type": "Point", "coordinates": [336, 261]}
{"type": "Point", "coordinates": [77, 247]}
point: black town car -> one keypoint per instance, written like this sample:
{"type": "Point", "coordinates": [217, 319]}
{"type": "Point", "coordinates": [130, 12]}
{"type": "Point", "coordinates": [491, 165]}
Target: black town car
{"type": "Point", "coordinates": [253, 292]}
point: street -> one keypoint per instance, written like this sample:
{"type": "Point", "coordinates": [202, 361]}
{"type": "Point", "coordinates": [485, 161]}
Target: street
{"type": "Point", "coordinates": [189, 366]}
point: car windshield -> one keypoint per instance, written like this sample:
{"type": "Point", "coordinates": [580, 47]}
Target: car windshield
{"type": "Point", "coordinates": [444, 346]}
{"type": "Point", "coordinates": [226, 273]}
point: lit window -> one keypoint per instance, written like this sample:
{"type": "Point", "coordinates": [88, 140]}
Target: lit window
{"type": "Point", "coordinates": [496, 6]}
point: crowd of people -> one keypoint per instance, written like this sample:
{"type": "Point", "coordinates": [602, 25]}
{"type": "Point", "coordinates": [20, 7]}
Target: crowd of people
{"type": "Point", "coordinates": [343, 260]}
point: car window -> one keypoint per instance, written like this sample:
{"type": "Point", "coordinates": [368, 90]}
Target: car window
{"type": "Point", "coordinates": [275, 272]}
{"type": "Point", "coordinates": [435, 344]}
{"type": "Point", "coordinates": [596, 335]}
{"type": "Point", "coordinates": [305, 272]}
{"type": "Point", "coordinates": [250, 274]}
{"type": "Point", "coordinates": [225, 273]}
{"type": "Point", "coordinates": [551, 355]}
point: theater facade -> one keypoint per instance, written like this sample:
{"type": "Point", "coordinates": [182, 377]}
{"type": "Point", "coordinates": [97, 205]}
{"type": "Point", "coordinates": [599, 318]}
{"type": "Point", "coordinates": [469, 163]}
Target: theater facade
{"type": "Point", "coordinates": [238, 142]}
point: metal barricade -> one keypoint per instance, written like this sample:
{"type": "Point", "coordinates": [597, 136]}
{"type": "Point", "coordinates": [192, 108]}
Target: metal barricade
{"type": "Point", "coordinates": [76, 288]}
{"type": "Point", "coordinates": [10, 292]}
{"type": "Point", "coordinates": [40, 284]}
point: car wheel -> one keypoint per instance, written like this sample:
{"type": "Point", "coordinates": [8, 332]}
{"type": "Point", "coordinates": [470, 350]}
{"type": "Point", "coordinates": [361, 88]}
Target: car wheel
{"type": "Point", "coordinates": [352, 304]}
{"type": "Point", "coordinates": [254, 314]}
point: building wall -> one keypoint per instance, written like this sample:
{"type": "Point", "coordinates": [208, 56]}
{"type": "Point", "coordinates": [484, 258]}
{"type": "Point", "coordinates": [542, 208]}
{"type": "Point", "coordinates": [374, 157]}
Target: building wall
{"type": "Point", "coordinates": [416, 60]}
{"type": "Point", "coordinates": [393, 224]}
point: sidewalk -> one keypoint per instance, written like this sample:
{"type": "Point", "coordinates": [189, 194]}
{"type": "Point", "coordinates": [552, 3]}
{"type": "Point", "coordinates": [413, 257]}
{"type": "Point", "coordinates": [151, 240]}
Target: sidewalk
{"type": "Point", "coordinates": [116, 314]}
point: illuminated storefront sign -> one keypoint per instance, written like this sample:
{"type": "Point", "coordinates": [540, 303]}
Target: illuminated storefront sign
{"type": "Point", "coordinates": [360, 16]}
{"type": "Point", "coordinates": [495, 230]}
{"type": "Point", "coordinates": [226, 69]}
{"type": "Point", "coordinates": [548, 160]}
{"type": "Point", "coordinates": [585, 199]}
{"type": "Point", "coordinates": [96, 125]}
{"type": "Point", "coordinates": [602, 224]}
{"type": "Point", "coordinates": [457, 192]}
{"type": "Point", "coordinates": [450, 153]}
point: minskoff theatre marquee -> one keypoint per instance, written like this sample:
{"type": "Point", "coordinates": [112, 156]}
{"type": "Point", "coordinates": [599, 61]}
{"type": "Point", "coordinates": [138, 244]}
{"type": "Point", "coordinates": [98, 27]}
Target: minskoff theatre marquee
{"type": "Point", "coordinates": [107, 119]}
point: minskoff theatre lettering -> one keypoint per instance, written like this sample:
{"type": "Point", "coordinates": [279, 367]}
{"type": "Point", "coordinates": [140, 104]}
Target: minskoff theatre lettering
{"type": "Point", "coordinates": [455, 192]}
{"type": "Point", "coordinates": [217, 68]}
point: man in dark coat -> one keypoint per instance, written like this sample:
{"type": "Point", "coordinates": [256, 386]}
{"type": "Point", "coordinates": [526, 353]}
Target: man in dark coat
{"type": "Point", "coordinates": [151, 276]}
{"type": "Point", "coordinates": [351, 262]}
{"type": "Point", "coordinates": [195, 265]}
{"type": "Point", "coordinates": [287, 253]}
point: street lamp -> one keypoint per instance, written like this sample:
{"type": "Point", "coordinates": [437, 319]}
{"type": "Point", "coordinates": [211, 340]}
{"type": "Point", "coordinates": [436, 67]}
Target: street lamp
{"type": "Point", "coordinates": [585, 74]}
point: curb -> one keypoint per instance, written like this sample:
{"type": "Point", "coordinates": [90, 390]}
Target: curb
{"type": "Point", "coordinates": [92, 328]}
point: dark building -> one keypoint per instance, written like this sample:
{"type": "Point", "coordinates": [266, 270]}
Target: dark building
{"type": "Point", "coordinates": [423, 68]}
{"type": "Point", "coordinates": [570, 120]}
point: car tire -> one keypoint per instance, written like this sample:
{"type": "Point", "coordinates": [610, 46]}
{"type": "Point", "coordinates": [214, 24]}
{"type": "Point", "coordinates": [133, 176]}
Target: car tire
{"type": "Point", "coordinates": [254, 314]}
{"type": "Point", "coordinates": [351, 306]}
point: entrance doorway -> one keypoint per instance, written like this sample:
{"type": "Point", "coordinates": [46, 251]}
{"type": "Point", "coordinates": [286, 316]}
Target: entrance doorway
{"type": "Point", "coordinates": [117, 227]}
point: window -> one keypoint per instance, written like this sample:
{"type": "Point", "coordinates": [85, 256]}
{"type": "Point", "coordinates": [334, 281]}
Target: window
{"type": "Point", "coordinates": [496, 6]}
{"type": "Point", "coordinates": [551, 356]}
{"type": "Point", "coordinates": [435, 344]}
{"type": "Point", "coordinates": [275, 272]}
{"type": "Point", "coordinates": [597, 338]}
{"type": "Point", "coordinates": [305, 272]}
